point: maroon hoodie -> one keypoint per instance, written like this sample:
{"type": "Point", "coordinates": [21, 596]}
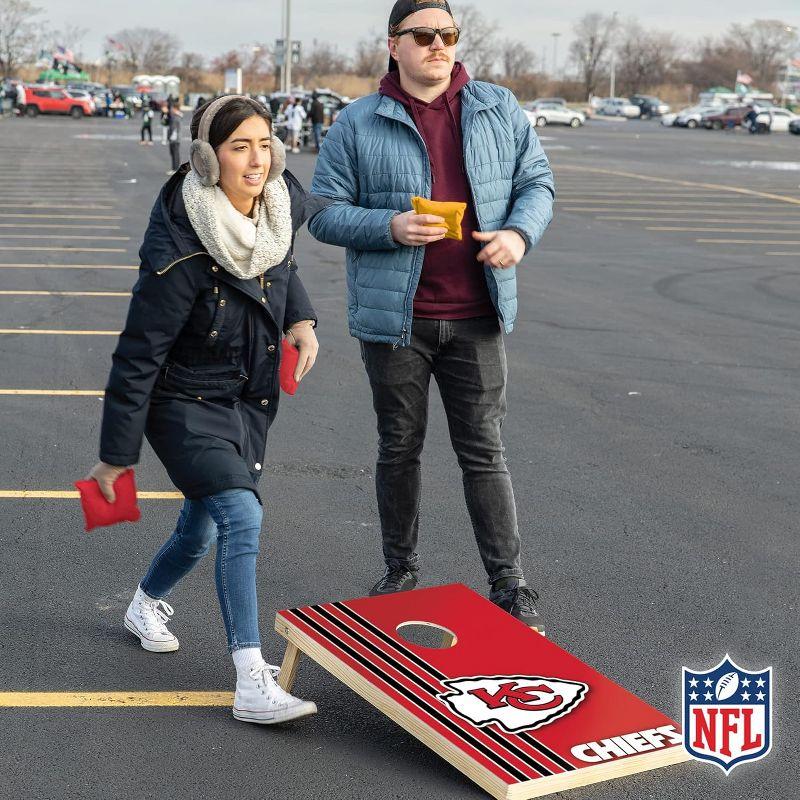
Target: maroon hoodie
{"type": "Point", "coordinates": [453, 283]}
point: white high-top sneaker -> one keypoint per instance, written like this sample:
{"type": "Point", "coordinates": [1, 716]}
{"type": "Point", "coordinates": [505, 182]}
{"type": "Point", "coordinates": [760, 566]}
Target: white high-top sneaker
{"type": "Point", "coordinates": [260, 699]}
{"type": "Point", "coordinates": [147, 618]}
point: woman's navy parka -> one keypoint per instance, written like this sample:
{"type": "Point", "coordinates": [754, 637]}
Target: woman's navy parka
{"type": "Point", "coordinates": [196, 368]}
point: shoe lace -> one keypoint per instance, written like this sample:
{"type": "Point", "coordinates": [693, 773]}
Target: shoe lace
{"type": "Point", "coordinates": [266, 677]}
{"type": "Point", "coordinates": [526, 600]}
{"type": "Point", "coordinates": [157, 614]}
{"type": "Point", "coordinates": [394, 578]}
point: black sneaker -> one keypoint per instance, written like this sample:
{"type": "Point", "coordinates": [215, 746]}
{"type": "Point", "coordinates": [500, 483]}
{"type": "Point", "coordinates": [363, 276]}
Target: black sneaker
{"type": "Point", "coordinates": [394, 580]}
{"type": "Point", "coordinates": [513, 595]}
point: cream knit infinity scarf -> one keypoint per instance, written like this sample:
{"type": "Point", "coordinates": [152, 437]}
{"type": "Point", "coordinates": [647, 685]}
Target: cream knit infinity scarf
{"type": "Point", "coordinates": [244, 246]}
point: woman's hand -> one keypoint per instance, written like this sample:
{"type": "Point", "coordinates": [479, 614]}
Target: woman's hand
{"type": "Point", "coordinates": [105, 475]}
{"type": "Point", "coordinates": [414, 229]}
{"type": "Point", "coordinates": [504, 248]}
{"type": "Point", "coordinates": [302, 336]}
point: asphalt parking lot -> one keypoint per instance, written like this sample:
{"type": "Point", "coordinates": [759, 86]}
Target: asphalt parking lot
{"type": "Point", "coordinates": [652, 436]}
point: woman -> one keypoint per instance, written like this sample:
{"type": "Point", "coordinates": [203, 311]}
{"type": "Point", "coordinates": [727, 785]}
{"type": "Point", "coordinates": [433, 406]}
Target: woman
{"type": "Point", "coordinates": [196, 371]}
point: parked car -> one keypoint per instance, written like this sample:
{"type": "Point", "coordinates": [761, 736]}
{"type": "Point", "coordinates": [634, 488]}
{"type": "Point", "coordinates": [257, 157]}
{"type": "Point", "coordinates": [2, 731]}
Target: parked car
{"type": "Point", "coordinates": [649, 106]}
{"type": "Point", "coordinates": [619, 107]}
{"type": "Point", "coordinates": [669, 120]}
{"type": "Point", "coordinates": [794, 127]}
{"type": "Point", "coordinates": [693, 116]}
{"type": "Point", "coordinates": [731, 117]}
{"type": "Point", "coordinates": [559, 100]}
{"type": "Point", "coordinates": [55, 100]}
{"type": "Point", "coordinates": [555, 114]}
{"type": "Point", "coordinates": [778, 119]}
{"type": "Point", "coordinates": [82, 94]}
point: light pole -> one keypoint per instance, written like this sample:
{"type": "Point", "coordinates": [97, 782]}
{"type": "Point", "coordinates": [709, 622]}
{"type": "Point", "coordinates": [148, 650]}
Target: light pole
{"type": "Point", "coordinates": [555, 53]}
{"type": "Point", "coordinates": [287, 46]}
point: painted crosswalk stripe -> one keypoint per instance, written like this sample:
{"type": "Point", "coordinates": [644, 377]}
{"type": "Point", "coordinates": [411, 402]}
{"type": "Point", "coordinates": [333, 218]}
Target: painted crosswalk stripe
{"type": "Point", "coordinates": [63, 294]}
{"type": "Point", "coordinates": [9, 331]}
{"type": "Point", "coordinates": [53, 392]}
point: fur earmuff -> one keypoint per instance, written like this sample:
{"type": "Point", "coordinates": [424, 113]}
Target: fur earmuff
{"type": "Point", "coordinates": [278, 154]}
{"type": "Point", "coordinates": [204, 162]}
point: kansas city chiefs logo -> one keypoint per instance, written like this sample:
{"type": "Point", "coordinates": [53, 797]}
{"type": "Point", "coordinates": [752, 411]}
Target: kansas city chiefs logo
{"type": "Point", "coordinates": [516, 702]}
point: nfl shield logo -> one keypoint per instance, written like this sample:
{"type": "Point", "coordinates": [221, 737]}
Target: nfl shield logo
{"type": "Point", "coordinates": [727, 714]}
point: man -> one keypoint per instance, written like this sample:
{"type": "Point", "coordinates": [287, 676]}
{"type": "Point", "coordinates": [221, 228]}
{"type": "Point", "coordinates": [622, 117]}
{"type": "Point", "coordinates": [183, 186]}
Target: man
{"type": "Point", "coordinates": [317, 114]}
{"type": "Point", "coordinates": [422, 305]}
{"type": "Point", "coordinates": [174, 130]}
{"type": "Point", "coordinates": [21, 100]}
{"type": "Point", "coordinates": [295, 116]}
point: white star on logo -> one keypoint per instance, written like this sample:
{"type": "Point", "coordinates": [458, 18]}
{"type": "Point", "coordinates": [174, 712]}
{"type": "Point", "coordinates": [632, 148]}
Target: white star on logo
{"type": "Point", "coordinates": [707, 695]}
{"type": "Point", "coordinates": [745, 695]}
{"type": "Point", "coordinates": [746, 682]}
{"type": "Point", "coordinates": [693, 682]}
{"type": "Point", "coordinates": [760, 682]}
{"type": "Point", "coordinates": [693, 695]}
{"type": "Point", "coordinates": [707, 682]}
{"type": "Point", "coordinates": [760, 696]}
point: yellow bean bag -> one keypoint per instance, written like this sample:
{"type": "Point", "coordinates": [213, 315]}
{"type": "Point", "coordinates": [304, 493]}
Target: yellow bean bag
{"type": "Point", "coordinates": [452, 213]}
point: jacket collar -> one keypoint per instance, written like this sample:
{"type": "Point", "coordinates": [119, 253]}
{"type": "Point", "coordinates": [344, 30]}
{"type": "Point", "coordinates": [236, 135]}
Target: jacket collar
{"type": "Point", "coordinates": [475, 96]}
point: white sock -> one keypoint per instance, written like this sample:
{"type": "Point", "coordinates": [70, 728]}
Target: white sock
{"type": "Point", "coordinates": [245, 658]}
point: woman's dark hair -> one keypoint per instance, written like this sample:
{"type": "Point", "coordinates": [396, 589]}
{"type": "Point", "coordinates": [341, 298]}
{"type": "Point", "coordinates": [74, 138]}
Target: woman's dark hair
{"type": "Point", "coordinates": [229, 118]}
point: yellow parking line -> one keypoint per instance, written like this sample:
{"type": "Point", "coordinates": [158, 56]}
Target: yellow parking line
{"type": "Point", "coordinates": [65, 294]}
{"type": "Point", "coordinates": [113, 699]}
{"type": "Point", "coordinates": [697, 184]}
{"type": "Point", "coordinates": [749, 221]}
{"type": "Point", "coordinates": [64, 266]}
{"type": "Point", "coordinates": [6, 215]}
{"type": "Point", "coordinates": [733, 203]}
{"type": "Point", "coordinates": [58, 333]}
{"type": "Point", "coordinates": [54, 392]}
{"type": "Point", "coordinates": [647, 208]}
{"type": "Point", "coordinates": [748, 241]}
{"type": "Point", "coordinates": [63, 236]}
{"type": "Point", "coordinates": [67, 249]}
{"type": "Point", "coordinates": [711, 230]}
{"type": "Point", "coordinates": [8, 494]}
{"type": "Point", "coordinates": [796, 255]}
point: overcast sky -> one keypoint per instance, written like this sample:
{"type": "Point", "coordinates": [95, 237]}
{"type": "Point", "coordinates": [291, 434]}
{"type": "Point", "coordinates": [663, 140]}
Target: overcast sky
{"type": "Point", "coordinates": [212, 26]}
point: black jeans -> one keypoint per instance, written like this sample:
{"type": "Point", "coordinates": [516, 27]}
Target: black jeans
{"type": "Point", "coordinates": [175, 154]}
{"type": "Point", "coordinates": [468, 360]}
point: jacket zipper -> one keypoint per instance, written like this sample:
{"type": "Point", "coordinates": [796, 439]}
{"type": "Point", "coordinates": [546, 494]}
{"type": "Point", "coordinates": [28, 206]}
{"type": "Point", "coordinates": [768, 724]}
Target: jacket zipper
{"type": "Point", "coordinates": [166, 269]}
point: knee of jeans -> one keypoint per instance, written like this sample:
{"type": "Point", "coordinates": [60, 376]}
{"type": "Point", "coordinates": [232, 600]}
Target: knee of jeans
{"type": "Point", "coordinates": [480, 456]}
{"type": "Point", "coordinates": [199, 542]}
{"type": "Point", "coordinates": [398, 449]}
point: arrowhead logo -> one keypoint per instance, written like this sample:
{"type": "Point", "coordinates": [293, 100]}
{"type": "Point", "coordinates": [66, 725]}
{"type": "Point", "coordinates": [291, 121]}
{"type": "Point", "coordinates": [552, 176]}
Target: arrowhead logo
{"type": "Point", "coordinates": [515, 703]}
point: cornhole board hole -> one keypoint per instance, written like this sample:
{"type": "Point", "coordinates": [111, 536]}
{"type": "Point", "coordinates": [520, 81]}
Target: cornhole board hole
{"type": "Point", "coordinates": [514, 712]}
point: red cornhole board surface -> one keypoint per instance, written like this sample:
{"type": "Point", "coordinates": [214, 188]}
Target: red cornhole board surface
{"type": "Point", "coordinates": [516, 713]}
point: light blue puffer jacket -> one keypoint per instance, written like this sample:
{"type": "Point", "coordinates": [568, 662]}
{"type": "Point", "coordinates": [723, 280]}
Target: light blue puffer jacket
{"type": "Point", "coordinates": [373, 161]}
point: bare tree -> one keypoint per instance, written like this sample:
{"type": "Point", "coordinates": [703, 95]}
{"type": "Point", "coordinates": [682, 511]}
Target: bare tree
{"type": "Point", "coordinates": [323, 59]}
{"type": "Point", "coordinates": [518, 59]}
{"type": "Point", "coordinates": [478, 46]}
{"type": "Point", "coordinates": [644, 58]}
{"type": "Point", "coordinates": [18, 34]}
{"type": "Point", "coordinates": [371, 56]}
{"type": "Point", "coordinates": [768, 43]}
{"type": "Point", "coordinates": [147, 49]}
{"type": "Point", "coordinates": [594, 38]}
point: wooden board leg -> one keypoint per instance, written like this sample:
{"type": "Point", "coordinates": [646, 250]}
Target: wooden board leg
{"type": "Point", "coordinates": [291, 660]}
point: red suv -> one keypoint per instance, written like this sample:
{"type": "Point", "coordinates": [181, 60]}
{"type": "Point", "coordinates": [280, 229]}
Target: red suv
{"type": "Point", "coordinates": [730, 118]}
{"type": "Point", "coordinates": [55, 100]}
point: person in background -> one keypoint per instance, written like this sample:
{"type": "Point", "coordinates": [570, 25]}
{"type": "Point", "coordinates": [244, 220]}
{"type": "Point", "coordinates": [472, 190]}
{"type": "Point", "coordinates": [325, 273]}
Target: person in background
{"type": "Point", "coordinates": [295, 116]}
{"type": "Point", "coordinates": [165, 109]}
{"type": "Point", "coordinates": [174, 135]}
{"type": "Point", "coordinates": [21, 99]}
{"type": "Point", "coordinates": [147, 124]}
{"type": "Point", "coordinates": [317, 120]}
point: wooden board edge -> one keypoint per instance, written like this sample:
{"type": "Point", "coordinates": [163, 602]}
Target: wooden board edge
{"type": "Point", "coordinates": [602, 772]}
{"type": "Point", "coordinates": [392, 709]}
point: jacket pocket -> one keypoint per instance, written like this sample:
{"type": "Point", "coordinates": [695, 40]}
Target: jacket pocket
{"type": "Point", "coordinates": [213, 382]}
{"type": "Point", "coordinates": [218, 320]}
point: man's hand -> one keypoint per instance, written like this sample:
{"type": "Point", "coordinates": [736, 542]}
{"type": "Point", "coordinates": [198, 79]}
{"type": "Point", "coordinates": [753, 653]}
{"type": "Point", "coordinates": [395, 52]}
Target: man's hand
{"type": "Point", "coordinates": [302, 336]}
{"type": "Point", "coordinates": [414, 229]}
{"type": "Point", "coordinates": [105, 475]}
{"type": "Point", "coordinates": [504, 249]}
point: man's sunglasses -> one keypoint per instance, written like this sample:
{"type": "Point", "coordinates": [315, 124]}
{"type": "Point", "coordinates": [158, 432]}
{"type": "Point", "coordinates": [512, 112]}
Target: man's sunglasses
{"type": "Point", "coordinates": [425, 37]}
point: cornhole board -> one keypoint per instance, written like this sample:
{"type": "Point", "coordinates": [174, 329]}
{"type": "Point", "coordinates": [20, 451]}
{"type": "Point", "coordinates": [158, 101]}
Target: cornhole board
{"type": "Point", "coordinates": [514, 712]}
